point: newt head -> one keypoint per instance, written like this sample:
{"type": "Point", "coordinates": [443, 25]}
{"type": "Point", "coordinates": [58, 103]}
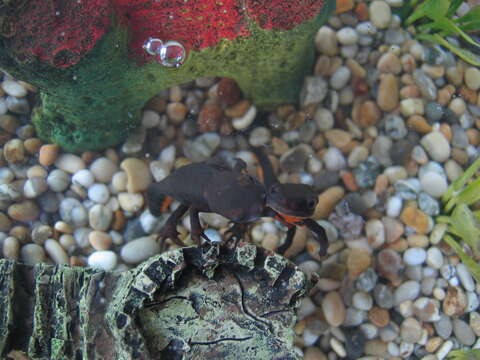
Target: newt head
{"type": "Point", "coordinates": [297, 200]}
{"type": "Point", "coordinates": [237, 196]}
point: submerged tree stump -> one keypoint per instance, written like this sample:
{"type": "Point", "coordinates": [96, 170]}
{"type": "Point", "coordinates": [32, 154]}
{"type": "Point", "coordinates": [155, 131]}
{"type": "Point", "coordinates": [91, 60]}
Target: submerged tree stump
{"type": "Point", "coordinates": [191, 303]}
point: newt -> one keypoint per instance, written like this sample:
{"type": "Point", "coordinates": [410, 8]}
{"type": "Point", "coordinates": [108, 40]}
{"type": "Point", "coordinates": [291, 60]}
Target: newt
{"type": "Point", "coordinates": [292, 204]}
{"type": "Point", "coordinates": [210, 186]}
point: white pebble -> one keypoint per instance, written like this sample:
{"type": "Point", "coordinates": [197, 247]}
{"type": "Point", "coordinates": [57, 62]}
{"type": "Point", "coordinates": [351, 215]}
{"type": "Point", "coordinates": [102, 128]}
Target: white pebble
{"type": "Point", "coordinates": [167, 156]}
{"type": "Point", "coordinates": [6, 175]}
{"type": "Point", "coordinates": [414, 256]}
{"type": "Point", "coordinates": [434, 258]}
{"type": "Point", "coordinates": [130, 202]}
{"type": "Point", "coordinates": [98, 193]}
{"type": "Point", "coordinates": [32, 254]}
{"type": "Point", "coordinates": [436, 146]}
{"type": "Point", "coordinates": [340, 77]}
{"type": "Point", "coordinates": [105, 260]}
{"type": "Point", "coordinates": [83, 178]}
{"type": "Point", "coordinates": [245, 121]}
{"type": "Point", "coordinates": [334, 159]}
{"type": "Point", "coordinates": [73, 212]}
{"type": "Point", "coordinates": [465, 277]}
{"type": "Point", "coordinates": [103, 169]}
{"type": "Point", "coordinates": [56, 252]}
{"type": "Point", "coordinates": [11, 248]}
{"type": "Point", "coordinates": [150, 119]}
{"type": "Point", "coordinates": [81, 236]}
{"type": "Point", "coordinates": [394, 206]}
{"type": "Point", "coordinates": [139, 249]}
{"type": "Point", "coordinates": [69, 163]}
{"type": "Point", "coordinates": [434, 184]}
{"type": "Point", "coordinates": [13, 88]}
{"type": "Point", "coordinates": [58, 180]}
{"type": "Point", "coordinates": [362, 301]}
{"type": "Point", "coordinates": [380, 14]}
{"type": "Point", "coordinates": [347, 36]}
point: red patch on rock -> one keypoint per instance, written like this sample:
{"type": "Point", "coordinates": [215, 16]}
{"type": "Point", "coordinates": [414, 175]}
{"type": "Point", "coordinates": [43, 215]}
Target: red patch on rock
{"type": "Point", "coordinates": [59, 32]}
{"type": "Point", "coordinates": [282, 14]}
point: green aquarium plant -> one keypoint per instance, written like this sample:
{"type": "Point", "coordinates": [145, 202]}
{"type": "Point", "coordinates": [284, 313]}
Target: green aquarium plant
{"type": "Point", "coordinates": [464, 355]}
{"type": "Point", "coordinates": [435, 21]}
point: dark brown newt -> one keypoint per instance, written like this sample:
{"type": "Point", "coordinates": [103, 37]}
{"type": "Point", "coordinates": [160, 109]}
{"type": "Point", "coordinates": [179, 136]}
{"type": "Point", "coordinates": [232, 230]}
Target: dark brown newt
{"type": "Point", "coordinates": [211, 186]}
{"type": "Point", "coordinates": [292, 204]}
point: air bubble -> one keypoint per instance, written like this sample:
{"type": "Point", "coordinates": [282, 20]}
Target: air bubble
{"type": "Point", "coordinates": [169, 54]}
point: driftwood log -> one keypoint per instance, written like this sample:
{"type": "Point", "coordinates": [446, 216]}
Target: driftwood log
{"type": "Point", "coordinates": [192, 303]}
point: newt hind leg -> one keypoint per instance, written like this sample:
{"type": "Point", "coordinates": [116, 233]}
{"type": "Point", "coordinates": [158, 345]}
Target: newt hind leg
{"type": "Point", "coordinates": [169, 229]}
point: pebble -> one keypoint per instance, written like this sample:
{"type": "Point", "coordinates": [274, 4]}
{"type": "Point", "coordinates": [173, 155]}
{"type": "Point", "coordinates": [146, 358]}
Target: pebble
{"type": "Point", "coordinates": [34, 186]}
{"type": "Point", "coordinates": [472, 78]}
{"type": "Point", "coordinates": [455, 302]}
{"type": "Point", "coordinates": [58, 180]}
{"type": "Point", "coordinates": [56, 252]}
{"type": "Point", "coordinates": [375, 231]}
{"type": "Point", "coordinates": [340, 78]}
{"type": "Point", "coordinates": [334, 159]}
{"type": "Point", "coordinates": [434, 112]}
{"type": "Point", "coordinates": [444, 350]}
{"type": "Point", "coordinates": [314, 90]}
{"type": "Point", "coordinates": [390, 265]}
{"type": "Point", "coordinates": [323, 118]}
{"type": "Point", "coordinates": [100, 240]}
{"type": "Point", "coordinates": [24, 211]}
{"type": "Point", "coordinates": [394, 206]}
{"type": "Point", "coordinates": [18, 105]}
{"type": "Point", "coordinates": [13, 88]}
{"type": "Point", "coordinates": [463, 332]}
{"type": "Point", "coordinates": [409, 290]}
{"type": "Point", "coordinates": [32, 254]}
{"type": "Point", "coordinates": [100, 217]}
{"type": "Point", "coordinates": [139, 250]}
{"type": "Point", "coordinates": [105, 260]}
{"type": "Point", "coordinates": [48, 154]}
{"type": "Point", "coordinates": [425, 85]}
{"type": "Point", "coordinates": [362, 301]}
{"type": "Point", "coordinates": [443, 327]}
{"type": "Point", "coordinates": [228, 91]}
{"type": "Point", "coordinates": [380, 14]}
{"type": "Point", "coordinates": [69, 163]}
{"type": "Point", "coordinates": [347, 36]}
{"type": "Point", "coordinates": [98, 193]}
{"type": "Point", "coordinates": [130, 202]}
{"type": "Point", "coordinates": [410, 330]}
{"type": "Point", "coordinates": [475, 322]}
{"type": "Point", "coordinates": [388, 93]}
{"type": "Point", "coordinates": [243, 122]}
{"type": "Point", "coordinates": [73, 212]}
{"type": "Point", "coordinates": [416, 219]}
{"type": "Point", "coordinates": [389, 63]}
{"type": "Point", "coordinates": [434, 257]}
{"type": "Point", "coordinates": [383, 296]}
{"type": "Point", "coordinates": [11, 248]}
{"type": "Point", "coordinates": [210, 117]}
{"type": "Point", "coordinates": [412, 106]}
{"type": "Point", "coordinates": [83, 178]}
{"type": "Point", "coordinates": [428, 204]}
{"type": "Point", "coordinates": [465, 277]}
{"type": "Point", "coordinates": [326, 41]}
{"type": "Point", "coordinates": [414, 256]}
{"type": "Point", "coordinates": [333, 308]}
{"type": "Point", "coordinates": [367, 280]}
{"type": "Point", "coordinates": [103, 170]}
{"type": "Point", "coordinates": [436, 146]}
{"type": "Point", "coordinates": [358, 261]}
{"type": "Point", "coordinates": [14, 151]}
{"type": "Point", "coordinates": [338, 347]}
{"type": "Point", "coordinates": [138, 174]}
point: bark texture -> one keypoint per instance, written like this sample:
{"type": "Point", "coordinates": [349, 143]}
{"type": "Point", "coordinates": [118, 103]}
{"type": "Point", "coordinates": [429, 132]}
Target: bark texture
{"type": "Point", "coordinates": [191, 303]}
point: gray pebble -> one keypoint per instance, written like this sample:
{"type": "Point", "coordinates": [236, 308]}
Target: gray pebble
{"type": "Point", "coordinates": [294, 160]}
{"type": "Point", "coordinates": [367, 280]}
{"type": "Point", "coordinates": [428, 204]}
{"type": "Point", "coordinates": [409, 290]}
{"type": "Point", "coordinates": [32, 254]}
{"type": "Point", "coordinates": [463, 332]}
{"type": "Point", "coordinates": [366, 173]}
{"type": "Point", "coordinates": [381, 150]}
{"type": "Point", "coordinates": [383, 296]}
{"type": "Point", "coordinates": [73, 212]}
{"type": "Point", "coordinates": [314, 90]}
{"type": "Point", "coordinates": [18, 105]}
{"type": "Point", "coordinates": [340, 78]}
{"type": "Point", "coordinates": [100, 217]}
{"type": "Point", "coordinates": [443, 327]}
{"type": "Point", "coordinates": [58, 180]}
{"type": "Point", "coordinates": [395, 127]}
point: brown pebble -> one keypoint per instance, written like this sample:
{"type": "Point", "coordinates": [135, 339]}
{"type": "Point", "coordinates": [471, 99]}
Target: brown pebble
{"type": "Point", "coordinates": [389, 63]}
{"type": "Point", "coordinates": [409, 91]}
{"type": "Point", "coordinates": [238, 110]}
{"type": "Point", "coordinates": [76, 261]}
{"type": "Point", "coordinates": [446, 130]}
{"type": "Point", "coordinates": [369, 114]}
{"type": "Point", "coordinates": [473, 136]}
{"type": "Point", "coordinates": [48, 154]}
{"type": "Point", "coordinates": [156, 103]}
{"type": "Point", "coordinates": [22, 233]}
{"type": "Point", "coordinates": [119, 220]}
{"type": "Point", "coordinates": [32, 145]}
{"type": "Point", "coordinates": [279, 146]}
{"type": "Point", "coordinates": [24, 211]}
{"type": "Point", "coordinates": [459, 155]}
{"type": "Point", "coordinates": [314, 353]}
{"type": "Point", "coordinates": [210, 117]}
{"type": "Point", "coordinates": [455, 302]}
{"type": "Point", "coordinates": [445, 94]}
{"type": "Point", "coordinates": [390, 265]}
{"type": "Point", "coordinates": [415, 218]}
{"type": "Point", "coordinates": [419, 124]}
{"type": "Point", "coordinates": [14, 151]}
{"type": "Point", "coordinates": [327, 201]}
{"type": "Point", "coordinates": [349, 180]}
{"type": "Point", "coordinates": [176, 112]}
{"type": "Point", "coordinates": [388, 94]}
{"type": "Point", "coordinates": [358, 260]}
{"type": "Point", "coordinates": [378, 316]}
{"type": "Point", "coordinates": [100, 240]}
{"type": "Point", "coordinates": [469, 95]}
{"type": "Point", "coordinates": [343, 6]}
{"type": "Point", "coordinates": [9, 123]}
{"type": "Point", "coordinates": [393, 229]}
{"type": "Point", "coordinates": [228, 91]}
{"type": "Point", "coordinates": [333, 308]}
{"type": "Point", "coordinates": [381, 184]}
{"type": "Point", "coordinates": [226, 128]}
{"type": "Point", "coordinates": [338, 138]}
{"type": "Point", "coordinates": [5, 222]}
{"type": "Point", "coordinates": [433, 344]}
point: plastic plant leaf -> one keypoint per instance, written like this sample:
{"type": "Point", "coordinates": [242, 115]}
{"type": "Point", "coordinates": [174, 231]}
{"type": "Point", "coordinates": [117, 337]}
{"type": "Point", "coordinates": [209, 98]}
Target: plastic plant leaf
{"type": "Point", "coordinates": [472, 265]}
{"type": "Point", "coordinates": [432, 9]}
{"type": "Point", "coordinates": [449, 27]}
{"type": "Point", "coordinates": [453, 8]}
{"type": "Point", "coordinates": [464, 223]}
{"type": "Point", "coordinates": [460, 182]}
{"type": "Point", "coordinates": [470, 194]}
{"type": "Point", "coordinates": [470, 16]}
{"type": "Point", "coordinates": [464, 54]}
{"type": "Point", "coordinates": [464, 355]}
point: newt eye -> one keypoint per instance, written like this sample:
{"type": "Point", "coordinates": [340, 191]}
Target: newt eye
{"type": "Point", "coordinates": [311, 204]}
